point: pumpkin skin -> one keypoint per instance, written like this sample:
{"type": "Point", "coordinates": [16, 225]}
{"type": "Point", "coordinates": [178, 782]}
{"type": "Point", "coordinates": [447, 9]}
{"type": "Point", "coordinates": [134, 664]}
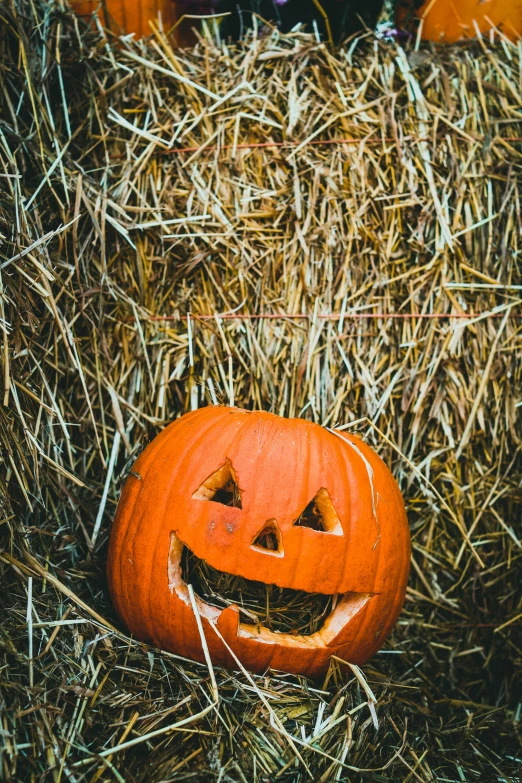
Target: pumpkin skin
{"type": "Point", "coordinates": [129, 16]}
{"type": "Point", "coordinates": [279, 466]}
{"type": "Point", "coordinates": [448, 21]}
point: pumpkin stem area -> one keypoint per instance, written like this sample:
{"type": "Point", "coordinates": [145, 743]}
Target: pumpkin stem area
{"type": "Point", "coordinates": [280, 609]}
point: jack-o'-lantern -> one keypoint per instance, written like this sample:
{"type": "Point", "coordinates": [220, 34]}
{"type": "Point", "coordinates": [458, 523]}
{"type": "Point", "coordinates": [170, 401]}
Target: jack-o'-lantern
{"type": "Point", "coordinates": [274, 502]}
{"type": "Point", "coordinates": [448, 21]}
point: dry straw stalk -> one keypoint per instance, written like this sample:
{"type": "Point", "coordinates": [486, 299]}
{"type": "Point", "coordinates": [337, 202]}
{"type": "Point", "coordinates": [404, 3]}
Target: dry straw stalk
{"type": "Point", "coordinates": [324, 233]}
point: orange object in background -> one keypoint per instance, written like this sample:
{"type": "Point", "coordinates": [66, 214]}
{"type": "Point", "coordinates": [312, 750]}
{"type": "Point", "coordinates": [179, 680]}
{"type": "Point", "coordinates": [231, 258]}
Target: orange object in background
{"type": "Point", "coordinates": [448, 21]}
{"type": "Point", "coordinates": [129, 16]}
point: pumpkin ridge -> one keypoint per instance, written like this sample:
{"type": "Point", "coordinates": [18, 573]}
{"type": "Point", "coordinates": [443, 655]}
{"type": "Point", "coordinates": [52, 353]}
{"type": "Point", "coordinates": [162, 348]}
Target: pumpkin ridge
{"type": "Point", "coordinates": [310, 442]}
{"type": "Point", "coordinates": [346, 526]}
{"type": "Point", "coordinates": [249, 431]}
{"type": "Point", "coordinates": [304, 445]}
{"type": "Point", "coordinates": [352, 462]}
{"type": "Point", "coordinates": [375, 520]}
{"type": "Point", "coordinates": [376, 610]}
{"type": "Point", "coordinates": [240, 432]}
{"type": "Point", "coordinates": [161, 528]}
{"type": "Point", "coordinates": [148, 458]}
{"type": "Point", "coordinates": [394, 499]}
{"type": "Point", "coordinates": [226, 411]}
{"type": "Point", "coordinates": [132, 531]}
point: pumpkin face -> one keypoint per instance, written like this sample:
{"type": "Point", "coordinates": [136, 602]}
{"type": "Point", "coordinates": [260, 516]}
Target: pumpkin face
{"type": "Point", "coordinates": [279, 501]}
{"type": "Point", "coordinates": [448, 21]}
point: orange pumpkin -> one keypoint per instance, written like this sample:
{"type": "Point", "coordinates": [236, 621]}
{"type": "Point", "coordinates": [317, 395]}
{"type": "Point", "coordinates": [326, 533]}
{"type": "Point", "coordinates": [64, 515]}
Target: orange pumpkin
{"type": "Point", "coordinates": [129, 16]}
{"type": "Point", "coordinates": [280, 501]}
{"type": "Point", "coordinates": [448, 21]}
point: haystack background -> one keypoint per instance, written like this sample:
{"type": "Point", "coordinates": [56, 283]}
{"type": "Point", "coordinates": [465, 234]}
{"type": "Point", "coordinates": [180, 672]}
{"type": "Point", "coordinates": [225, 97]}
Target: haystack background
{"type": "Point", "coordinates": [139, 185]}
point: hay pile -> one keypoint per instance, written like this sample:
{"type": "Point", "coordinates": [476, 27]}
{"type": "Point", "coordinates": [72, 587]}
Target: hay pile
{"type": "Point", "coordinates": [327, 234]}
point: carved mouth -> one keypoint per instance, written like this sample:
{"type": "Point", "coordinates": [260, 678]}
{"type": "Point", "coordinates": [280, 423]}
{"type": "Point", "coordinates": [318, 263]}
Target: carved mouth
{"type": "Point", "coordinates": [267, 613]}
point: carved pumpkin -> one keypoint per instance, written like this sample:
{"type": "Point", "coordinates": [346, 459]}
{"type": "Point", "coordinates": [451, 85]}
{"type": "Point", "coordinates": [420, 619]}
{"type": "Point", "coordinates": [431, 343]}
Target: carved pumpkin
{"type": "Point", "coordinates": [448, 21]}
{"type": "Point", "coordinates": [279, 501]}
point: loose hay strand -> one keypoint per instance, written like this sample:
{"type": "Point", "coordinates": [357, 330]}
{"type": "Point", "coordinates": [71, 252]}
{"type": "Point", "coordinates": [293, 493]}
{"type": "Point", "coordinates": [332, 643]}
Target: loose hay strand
{"type": "Point", "coordinates": [268, 224]}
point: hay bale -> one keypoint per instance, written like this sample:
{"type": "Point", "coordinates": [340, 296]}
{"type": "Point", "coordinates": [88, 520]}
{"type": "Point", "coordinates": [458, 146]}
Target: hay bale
{"type": "Point", "coordinates": [331, 234]}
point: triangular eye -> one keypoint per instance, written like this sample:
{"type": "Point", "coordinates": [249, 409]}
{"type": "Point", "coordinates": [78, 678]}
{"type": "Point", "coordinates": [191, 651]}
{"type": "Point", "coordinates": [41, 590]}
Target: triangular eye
{"type": "Point", "coordinates": [269, 539]}
{"type": "Point", "coordinates": [220, 487]}
{"type": "Point", "coordinates": [320, 515]}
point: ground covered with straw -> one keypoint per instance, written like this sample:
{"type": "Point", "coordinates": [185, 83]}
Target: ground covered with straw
{"type": "Point", "coordinates": [332, 234]}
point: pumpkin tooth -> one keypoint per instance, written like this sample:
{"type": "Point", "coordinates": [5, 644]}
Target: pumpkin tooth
{"type": "Point", "coordinates": [337, 628]}
{"type": "Point", "coordinates": [228, 620]}
{"type": "Point", "coordinates": [174, 563]}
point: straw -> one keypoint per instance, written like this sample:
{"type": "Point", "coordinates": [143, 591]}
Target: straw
{"type": "Point", "coordinates": [332, 233]}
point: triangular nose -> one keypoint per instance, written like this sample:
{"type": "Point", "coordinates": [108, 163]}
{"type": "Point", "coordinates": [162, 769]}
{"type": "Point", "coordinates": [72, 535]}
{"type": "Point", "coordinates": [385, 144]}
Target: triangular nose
{"type": "Point", "coordinates": [320, 515]}
{"type": "Point", "coordinates": [269, 539]}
